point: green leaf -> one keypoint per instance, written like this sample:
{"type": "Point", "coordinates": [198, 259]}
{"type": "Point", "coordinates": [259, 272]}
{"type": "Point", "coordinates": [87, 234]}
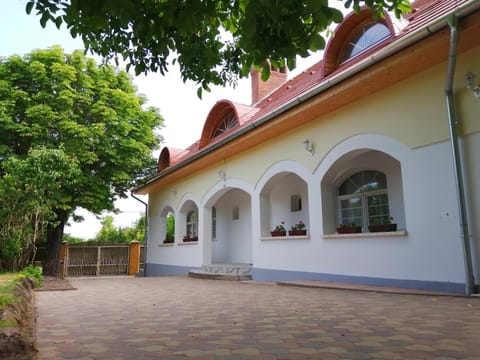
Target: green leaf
{"type": "Point", "coordinates": [29, 7]}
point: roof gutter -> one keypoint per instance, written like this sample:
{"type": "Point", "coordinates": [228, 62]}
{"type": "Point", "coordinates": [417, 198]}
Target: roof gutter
{"type": "Point", "coordinates": [457, 157]}
{"type": "Point", "coordinates": [384, 53]}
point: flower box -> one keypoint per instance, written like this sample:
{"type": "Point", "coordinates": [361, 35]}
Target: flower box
{"type": "Point", "coordinates": [297, 232]}
{"type": "Point", "coordinates": [382, 228]}
{"type": "Point", "coordinates": [190, 239]}
{"type": "Point", "coordinates": [349, 229]}
{"type": "Point", "coordinates": [278, 233]}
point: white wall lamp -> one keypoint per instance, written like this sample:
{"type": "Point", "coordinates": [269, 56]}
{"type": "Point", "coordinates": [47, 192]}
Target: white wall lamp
{"type": "Point", "coordinates": [470, 84]}
{"type": "Point", "coordinates": [308, 146]}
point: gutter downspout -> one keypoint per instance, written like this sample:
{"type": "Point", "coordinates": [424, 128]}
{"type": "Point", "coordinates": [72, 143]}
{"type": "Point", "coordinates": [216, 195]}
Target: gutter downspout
{"type": "Point", "coordinates": [457, 161]}
{"type": "Point", "coordinates": [145, 235]}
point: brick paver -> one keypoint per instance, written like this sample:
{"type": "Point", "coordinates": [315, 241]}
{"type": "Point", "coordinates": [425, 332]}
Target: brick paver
{"type": "Point", "coordinates": [184, 318]}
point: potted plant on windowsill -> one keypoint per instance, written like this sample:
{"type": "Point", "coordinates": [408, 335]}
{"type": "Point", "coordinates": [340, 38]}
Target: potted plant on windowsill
{"type": "Point", "coordinates": [279, 230]}
{"type": "Point", "coordinates": [386, 226]}
{"type": "Point", "coordinates": [190, 239]}
{"type": "Point", "coordinates": [298, 229]}
{"type": "Point", "coordinates": [349, 229]}
{"type": "Point", "coordinates": [169, 239]}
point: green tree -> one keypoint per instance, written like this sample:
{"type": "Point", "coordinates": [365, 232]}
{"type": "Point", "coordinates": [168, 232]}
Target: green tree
{"type": "Point", "coordinates": [170, 227]}
{"type": "Point", "coordinates": [57, 100]}
{"type": "Point", "coordinates": [213, 41]}
{"type": "Point", "coordinates": [108, 233]}
{"type": "Point", "coordinates": [30, 186]}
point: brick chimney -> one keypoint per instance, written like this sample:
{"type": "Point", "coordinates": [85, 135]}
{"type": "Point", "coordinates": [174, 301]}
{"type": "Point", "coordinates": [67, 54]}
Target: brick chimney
{"type": "Point", "coordinates": [260, 88]}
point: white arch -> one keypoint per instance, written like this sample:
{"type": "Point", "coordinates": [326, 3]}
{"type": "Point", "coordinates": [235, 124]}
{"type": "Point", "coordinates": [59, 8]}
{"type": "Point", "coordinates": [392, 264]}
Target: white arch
{"type": "Point", "coordinates": [221, 187]}
{"type": "Point", "coordinates": [185, 198]}
{"type": "Point", "coordinates": [166, 206]}
{"type": "Point", "coordinates": [385, 144]}
{"type": "Point", "coordinates": [209, 199]}
{"type": "Point", "coordinates": [283, 166]}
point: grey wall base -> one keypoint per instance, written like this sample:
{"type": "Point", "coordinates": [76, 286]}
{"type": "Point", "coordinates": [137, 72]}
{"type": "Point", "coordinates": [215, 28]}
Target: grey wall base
{"type": "Point", "coordinates": [286, 275]}
{"type": "Point", "coordinates": [160, 269]}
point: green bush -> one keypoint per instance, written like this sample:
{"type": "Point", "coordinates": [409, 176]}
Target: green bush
{"type": "Point", "coordinates": [34, 273]}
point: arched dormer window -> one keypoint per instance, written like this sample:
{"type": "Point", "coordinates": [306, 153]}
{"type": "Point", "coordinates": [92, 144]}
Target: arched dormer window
{"type": "Point", "coordinates": [223, 118]}
{"type": "Point", "coordinates": [357, 33]}
{"type": "Point", "coordinates": [366, 37]}
{"type": "Point", "coordinates": [164, 159]}
{"type": "Point", "coordinates": [228, 122]}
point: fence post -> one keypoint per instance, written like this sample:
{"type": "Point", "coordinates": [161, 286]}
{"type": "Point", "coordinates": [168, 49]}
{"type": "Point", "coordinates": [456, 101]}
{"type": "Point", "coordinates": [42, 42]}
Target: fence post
{"type": "Point", "coordinates": [134, 258]}
{"type": "Point", "coordinates": [63, 259]}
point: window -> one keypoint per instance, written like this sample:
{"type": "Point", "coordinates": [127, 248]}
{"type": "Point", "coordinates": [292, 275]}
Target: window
{"type": "Point", "coordinates": [228, 122]}
{"type": "Point", "coordinates": [235, 213]}
{"type": "Point", "coordinates": [363, 199]}
{"type": "Point", "coordinates": [295, 203]}
{"type": "Point", "coordinates": [368, 36]}
{"type": "Point", "coordinates": [192, 224]}
{"type": "Point", "coordinates": [214, 222]}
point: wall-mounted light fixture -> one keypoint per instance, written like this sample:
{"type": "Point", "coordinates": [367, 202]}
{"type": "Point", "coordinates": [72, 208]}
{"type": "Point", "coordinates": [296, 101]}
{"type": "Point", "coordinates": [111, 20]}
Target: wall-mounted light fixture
{"type": "Point", "coordinates": [222, 174]}
{"type": "Point", "coordinates": [470, 84]}
{"type": "Point", "coordinates": [308, 146]}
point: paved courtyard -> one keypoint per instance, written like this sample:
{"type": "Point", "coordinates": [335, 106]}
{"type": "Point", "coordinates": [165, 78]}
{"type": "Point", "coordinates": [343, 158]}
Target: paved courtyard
{"type": "Point", "coordinates": [184, 318]}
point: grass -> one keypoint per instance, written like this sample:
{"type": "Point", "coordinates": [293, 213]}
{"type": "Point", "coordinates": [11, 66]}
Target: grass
{"type": "Point", "coordinates": [7, 284]}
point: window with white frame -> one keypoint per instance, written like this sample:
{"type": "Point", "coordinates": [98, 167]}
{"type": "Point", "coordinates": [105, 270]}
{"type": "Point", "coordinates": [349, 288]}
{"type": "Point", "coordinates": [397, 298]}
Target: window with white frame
{"type": "Point", "coordinates": [363, 200]}
{"type": "Point", "coordinates": [295, 203]}
{"type": "Point", "coordinates": [369, 35]}
{"type": "Point", "coordinates": [192, 224]}
{"type": "Point", "coordinates": [228, 122]}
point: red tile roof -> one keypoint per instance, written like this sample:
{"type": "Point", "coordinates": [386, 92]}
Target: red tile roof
{"type": "Point", "coordinates": [424, 13]}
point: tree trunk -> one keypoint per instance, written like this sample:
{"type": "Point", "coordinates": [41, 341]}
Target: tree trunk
{"type": "Point", "coordinates": [51, 267]}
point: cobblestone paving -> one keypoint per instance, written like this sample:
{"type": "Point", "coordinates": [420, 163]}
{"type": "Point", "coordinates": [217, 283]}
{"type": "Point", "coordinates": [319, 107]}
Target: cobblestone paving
{"type": "Point", "coordinates": [184, 318]}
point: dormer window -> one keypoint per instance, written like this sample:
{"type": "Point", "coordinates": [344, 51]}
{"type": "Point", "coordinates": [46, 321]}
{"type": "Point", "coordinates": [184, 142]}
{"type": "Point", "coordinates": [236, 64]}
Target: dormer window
{"type": "Point", "coordinates": [228, 122]}
{"type": "Point", "coordinates": [369, 35]}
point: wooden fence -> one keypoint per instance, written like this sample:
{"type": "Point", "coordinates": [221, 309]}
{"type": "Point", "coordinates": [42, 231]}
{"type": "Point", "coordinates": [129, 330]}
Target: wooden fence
{"type": "Point", "coordinates": [105, 260]}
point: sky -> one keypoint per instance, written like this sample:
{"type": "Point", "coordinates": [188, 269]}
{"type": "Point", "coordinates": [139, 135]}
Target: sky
{"type": "Point", "coordinates": [183, 112]}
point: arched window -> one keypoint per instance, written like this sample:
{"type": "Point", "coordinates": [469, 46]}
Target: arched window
{"type": "Point", "coordinates": [228, 122]}
{"type": "Point", "coordinates": [369, 35]}
{"type": "Point", "coordinates": [192, 224]}
{"type": "Point", "coordinates": [363, 200]}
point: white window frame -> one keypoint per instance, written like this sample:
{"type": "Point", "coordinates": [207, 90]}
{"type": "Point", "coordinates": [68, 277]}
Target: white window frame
{"type": "Point", "coordinates": [364, 196]}
{"type": "Point", "coordinates": [364, 200]}
{"type": "Point", "coordinates": [192, 224]}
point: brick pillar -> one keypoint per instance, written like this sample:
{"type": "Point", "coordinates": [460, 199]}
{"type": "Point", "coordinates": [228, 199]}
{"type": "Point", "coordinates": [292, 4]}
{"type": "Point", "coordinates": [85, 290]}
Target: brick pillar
{"type": "Point", "coordinates": [63, 259]}
{"type": "Point", "coordinates": [134, 258]}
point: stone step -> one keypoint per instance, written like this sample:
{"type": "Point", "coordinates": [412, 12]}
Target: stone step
{"type": "Point", "coordinates": [235, 272]}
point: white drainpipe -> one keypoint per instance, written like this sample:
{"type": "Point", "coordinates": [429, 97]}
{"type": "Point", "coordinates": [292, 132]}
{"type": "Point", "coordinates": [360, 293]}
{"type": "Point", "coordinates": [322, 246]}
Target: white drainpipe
{"type": "Point", "coordinates": [456, 154]}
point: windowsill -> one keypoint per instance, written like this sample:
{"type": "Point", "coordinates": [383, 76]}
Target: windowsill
{"type": "Point", "coordinates": [367, 235]}
{"type": "Point", "coordinates": [167, 244]}
{"type": "Point", "coordinates": [299, 237]}
{"type": "Point", "coordinates": [188, 243]}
